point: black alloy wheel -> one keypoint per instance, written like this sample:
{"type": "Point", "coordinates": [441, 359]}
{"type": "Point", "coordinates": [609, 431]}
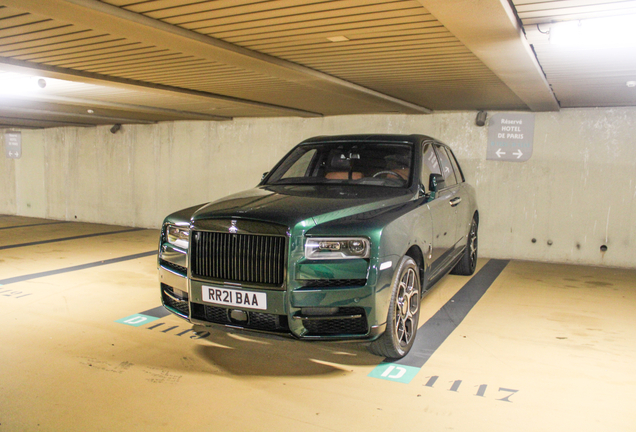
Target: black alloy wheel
{"type": "Point", "coordinates": [467, 264]}
{"type": "Point", "coordinates": [404, 312]}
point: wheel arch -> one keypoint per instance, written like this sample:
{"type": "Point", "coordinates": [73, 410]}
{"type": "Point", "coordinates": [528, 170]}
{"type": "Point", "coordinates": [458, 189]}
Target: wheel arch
{"type": "Point", "coordinates": [416, 253]}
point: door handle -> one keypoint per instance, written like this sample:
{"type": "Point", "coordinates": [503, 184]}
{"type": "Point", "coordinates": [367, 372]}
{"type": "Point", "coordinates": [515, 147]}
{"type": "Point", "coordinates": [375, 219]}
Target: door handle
{"type": "Point", "coordinates": [455, 201]}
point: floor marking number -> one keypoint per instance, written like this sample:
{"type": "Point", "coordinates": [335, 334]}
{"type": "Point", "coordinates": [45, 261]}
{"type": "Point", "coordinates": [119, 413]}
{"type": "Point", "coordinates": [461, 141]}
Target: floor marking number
{"type": "Point", "coordinates": [13, 294]}
{"type": "Point", "coordinates": [431, 381]}
{"type": "Point", "coordinates": [138, 320]}
{"type": "Point", "coordinates": [455, 385]}
{"type": "Point", "coordinates": [481, 389]}
{"type": "Point", "coordinates": [507, 398]}
{"type": "Point", "coordinates": [195, 335]}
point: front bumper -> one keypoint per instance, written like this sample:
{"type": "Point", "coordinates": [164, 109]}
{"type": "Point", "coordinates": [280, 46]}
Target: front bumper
{"type": "Point", "coordinates": [333, 313]}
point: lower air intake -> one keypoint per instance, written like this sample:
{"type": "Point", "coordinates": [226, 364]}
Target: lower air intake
{"type": "Point", "coordinates": [255, 320]}
{"type": "Point", "coordinates": [335, 326]}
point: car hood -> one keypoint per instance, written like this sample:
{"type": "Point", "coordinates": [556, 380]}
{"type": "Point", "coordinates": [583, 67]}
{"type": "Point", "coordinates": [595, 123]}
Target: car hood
{"type": "Point", "coordinates": [312, 205]}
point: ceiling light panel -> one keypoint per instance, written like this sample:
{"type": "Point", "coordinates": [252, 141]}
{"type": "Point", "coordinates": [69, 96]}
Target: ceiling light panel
{"type": "Point", "coordinates": [604, 33]}
{"type": "Point", "coordinates": [587, 71]}
{"type": "Point", "coordinates": [532, 12]}
{"type": "Point", "coordinates": [111, 53]}
{"type": "Point", "coordinates": [337, 39]}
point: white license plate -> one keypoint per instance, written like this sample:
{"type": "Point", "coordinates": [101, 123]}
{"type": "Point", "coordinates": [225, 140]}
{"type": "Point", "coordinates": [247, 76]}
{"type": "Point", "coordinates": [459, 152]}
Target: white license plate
{"type": "Point", "coordinates": [232, 297]}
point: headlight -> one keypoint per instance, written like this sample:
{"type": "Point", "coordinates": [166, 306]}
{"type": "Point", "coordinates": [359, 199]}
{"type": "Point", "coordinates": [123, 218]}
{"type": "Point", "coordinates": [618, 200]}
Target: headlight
{"type": "Point", "coordinates": [337, 248]}
{"type": "Point", "coordinates": [178, 236]}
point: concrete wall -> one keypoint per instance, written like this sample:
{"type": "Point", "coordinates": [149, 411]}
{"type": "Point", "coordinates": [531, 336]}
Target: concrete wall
{"type": "Point", "coordinates": [576, 194]}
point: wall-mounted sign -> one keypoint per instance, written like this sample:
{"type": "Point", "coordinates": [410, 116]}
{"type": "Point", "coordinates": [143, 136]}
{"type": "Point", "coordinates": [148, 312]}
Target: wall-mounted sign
{"type": "Point", "coordinates": [510, 137]}
{"type": "Point", "coordinates": [13, 145]}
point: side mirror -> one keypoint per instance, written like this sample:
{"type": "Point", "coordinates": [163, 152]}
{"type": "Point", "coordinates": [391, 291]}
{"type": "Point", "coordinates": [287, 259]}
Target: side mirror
{"type": "Point", "coordinates": [264, 175]}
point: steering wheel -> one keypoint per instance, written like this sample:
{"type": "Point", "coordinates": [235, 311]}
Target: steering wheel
{"type": "Point", "coordinates": [388, 172]}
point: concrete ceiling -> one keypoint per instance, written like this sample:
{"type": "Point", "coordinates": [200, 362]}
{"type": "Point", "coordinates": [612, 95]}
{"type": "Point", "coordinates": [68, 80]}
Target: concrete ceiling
{"type": "Point", "coordinates": [127, 61]}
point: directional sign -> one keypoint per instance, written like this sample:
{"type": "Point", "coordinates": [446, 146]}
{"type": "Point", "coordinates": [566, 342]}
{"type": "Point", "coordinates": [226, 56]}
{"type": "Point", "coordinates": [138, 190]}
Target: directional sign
{"type": "Point", "coordinates": [510, 137]}
{"type": "Point", "coordinates": [13, 145]}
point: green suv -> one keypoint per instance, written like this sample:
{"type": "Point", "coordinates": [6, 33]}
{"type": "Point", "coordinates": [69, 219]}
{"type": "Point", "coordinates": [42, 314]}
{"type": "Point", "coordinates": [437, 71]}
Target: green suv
{"type": "Point", "coordinates": [338, 241]}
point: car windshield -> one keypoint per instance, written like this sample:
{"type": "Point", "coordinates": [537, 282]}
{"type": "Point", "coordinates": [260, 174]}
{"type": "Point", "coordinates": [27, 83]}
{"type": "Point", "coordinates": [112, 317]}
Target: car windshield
{"type": "Point", "coordinates": [373, 164]}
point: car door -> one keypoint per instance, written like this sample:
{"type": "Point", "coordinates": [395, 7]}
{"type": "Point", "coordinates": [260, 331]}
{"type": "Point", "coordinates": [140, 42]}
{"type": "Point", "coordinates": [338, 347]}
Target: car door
{"type": "Point", "coordinates": [463, 207]}
{"type": "Point", "coordinates": [440, 210]}
{"type": "Point", "coordinates": [456, 196]}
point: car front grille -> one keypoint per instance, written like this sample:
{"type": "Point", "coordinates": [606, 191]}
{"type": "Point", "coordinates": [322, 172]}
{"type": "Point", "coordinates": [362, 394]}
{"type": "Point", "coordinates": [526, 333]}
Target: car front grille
{"type": "Point", "coordinates": [244, 258]}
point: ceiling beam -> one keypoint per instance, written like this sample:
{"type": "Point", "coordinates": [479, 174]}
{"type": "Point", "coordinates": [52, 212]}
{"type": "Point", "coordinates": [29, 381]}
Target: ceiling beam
{"type": "Point", "coordinates": [490, 30]}
{"type": "Point", "coordinates": [117, 106]}
{"type": "Point", "coordinates": [78, 117]}
{"type": "Point", "coordinates": [14, 122]}
{"type": "Point", "coordinates": [107, 80]}
{"type": "Point", "coordinates": [117, 21]}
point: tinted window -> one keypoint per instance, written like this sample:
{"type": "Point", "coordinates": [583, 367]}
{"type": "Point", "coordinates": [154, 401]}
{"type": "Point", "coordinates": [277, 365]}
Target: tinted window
{"type": "Point", "coordinates": [430, 165]}
{"type": "Point", "coordinates": [299, 168]}
{"type": "Point", "coordinates": [458, 171]}
{"type": "Point", "coordinates": [373, 164]}
{"type": "Point", "coordinates": [447, 168]}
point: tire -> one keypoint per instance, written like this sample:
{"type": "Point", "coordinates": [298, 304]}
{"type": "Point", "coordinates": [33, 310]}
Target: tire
{"type": "Point", "coordinates": [467, 264]}
{"type": "Point", "coordinates": [404, 312]}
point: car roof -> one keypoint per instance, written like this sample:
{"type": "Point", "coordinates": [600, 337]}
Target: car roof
{"type": "Point", "coordinates": [397, 138]}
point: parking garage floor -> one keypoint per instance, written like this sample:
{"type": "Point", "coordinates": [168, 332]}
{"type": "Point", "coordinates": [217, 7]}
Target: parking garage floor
{"type": "Point", "coordinates": [85, 346]}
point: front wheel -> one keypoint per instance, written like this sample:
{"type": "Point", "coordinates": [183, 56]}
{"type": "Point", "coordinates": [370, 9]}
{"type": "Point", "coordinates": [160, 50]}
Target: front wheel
{"type": "Point", "coordinates": [404, 312]}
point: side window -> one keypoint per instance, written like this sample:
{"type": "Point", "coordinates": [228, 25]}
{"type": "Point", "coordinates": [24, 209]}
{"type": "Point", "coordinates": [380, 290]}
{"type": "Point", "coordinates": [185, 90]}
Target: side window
{"type": "Point", "coordinates": [447, 168]}
{"type": "Point", "coordinates": [458, 170]}
{"type": "Point", "coordinates": [430, 164]}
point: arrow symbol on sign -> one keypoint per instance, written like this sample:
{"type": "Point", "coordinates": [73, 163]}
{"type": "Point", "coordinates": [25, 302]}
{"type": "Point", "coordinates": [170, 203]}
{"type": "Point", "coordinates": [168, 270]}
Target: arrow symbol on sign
{"type": "Point", "coordinates": [499, 153]}
{"type": "Point", "coordinates": [518, 154]}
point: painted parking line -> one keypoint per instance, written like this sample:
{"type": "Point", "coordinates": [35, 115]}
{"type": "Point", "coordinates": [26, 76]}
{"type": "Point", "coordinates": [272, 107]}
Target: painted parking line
{"type": "Point", "coordinates": [429, 338]}
{"type": "Point", "coordinates": [434, 332]}
{"type": "Point", "coordinates": [32, 225]}
{"type": "Point", "coordinates": [75, 268]}
{"type": "Point", "coordinates": [157, 312]}
{"type": "Point", "coordinates": [69, 238]}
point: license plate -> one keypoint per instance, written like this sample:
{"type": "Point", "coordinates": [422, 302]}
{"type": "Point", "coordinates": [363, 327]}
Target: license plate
{"type": "Point", "coordinates": [232, 297]}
